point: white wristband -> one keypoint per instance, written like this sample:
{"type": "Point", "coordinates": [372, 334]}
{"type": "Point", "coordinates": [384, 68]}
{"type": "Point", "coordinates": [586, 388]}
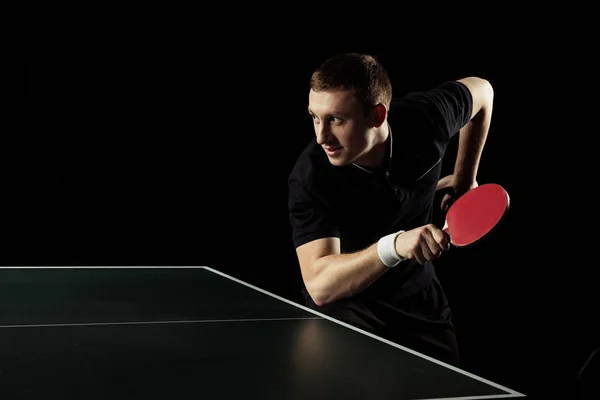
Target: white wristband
{"type": "Point", "coordinates": [386, 248]}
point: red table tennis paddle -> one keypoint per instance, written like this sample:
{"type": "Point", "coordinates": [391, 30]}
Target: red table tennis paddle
{"type": "Point", "coordinates": [476, 214]}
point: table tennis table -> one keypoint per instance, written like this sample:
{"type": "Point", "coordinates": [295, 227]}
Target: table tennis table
{"type": "Point", "coordinates": [196, 333]}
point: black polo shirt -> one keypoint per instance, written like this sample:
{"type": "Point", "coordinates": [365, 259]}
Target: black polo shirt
{"type": "Point", "coordinates": [360, 206]}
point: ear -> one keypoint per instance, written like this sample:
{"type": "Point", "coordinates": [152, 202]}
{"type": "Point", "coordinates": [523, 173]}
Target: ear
{"type": "Point", "coordinates": [379, 114]}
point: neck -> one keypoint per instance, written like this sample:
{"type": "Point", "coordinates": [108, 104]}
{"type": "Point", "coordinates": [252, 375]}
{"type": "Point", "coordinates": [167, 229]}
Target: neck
{"type": "Point", "coordinates": [376, 156]}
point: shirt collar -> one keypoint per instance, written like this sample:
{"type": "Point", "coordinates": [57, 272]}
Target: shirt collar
{"type": "Point", "coordinates": [388, 153]}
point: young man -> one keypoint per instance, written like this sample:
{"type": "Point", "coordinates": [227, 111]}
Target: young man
{"type": "Point", "coordinates": [361, 198]}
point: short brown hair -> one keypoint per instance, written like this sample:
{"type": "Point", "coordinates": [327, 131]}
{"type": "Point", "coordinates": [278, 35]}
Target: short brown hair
{"type": "Point", "coordinates": [360, 73]}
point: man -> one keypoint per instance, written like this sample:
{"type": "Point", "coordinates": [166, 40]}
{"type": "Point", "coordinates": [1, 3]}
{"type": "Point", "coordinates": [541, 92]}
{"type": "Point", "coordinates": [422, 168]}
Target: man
{"type": "Point", "coordinates": [361, 198]}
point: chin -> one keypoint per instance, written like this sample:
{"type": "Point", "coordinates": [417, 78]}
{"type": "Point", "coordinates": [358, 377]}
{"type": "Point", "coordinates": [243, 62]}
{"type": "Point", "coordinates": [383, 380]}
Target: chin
{"type": "Point", "coordinates": [338, 162]}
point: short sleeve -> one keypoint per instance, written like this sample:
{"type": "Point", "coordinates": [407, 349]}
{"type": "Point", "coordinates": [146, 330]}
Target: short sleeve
{"type": "Point", "coordinates": [310, 216]}
{"type": "Point", "coordinates": [448, 107]}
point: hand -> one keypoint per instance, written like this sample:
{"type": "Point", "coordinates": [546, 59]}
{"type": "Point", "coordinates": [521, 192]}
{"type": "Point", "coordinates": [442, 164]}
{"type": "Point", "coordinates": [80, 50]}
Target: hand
{"type": "Point", "coordinates": [454, 188]}
{"type": "Point", "coordinates": [423, 244]}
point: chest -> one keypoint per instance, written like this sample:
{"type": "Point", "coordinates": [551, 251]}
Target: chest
{"type": "Point", "coordinates": [398, 199]}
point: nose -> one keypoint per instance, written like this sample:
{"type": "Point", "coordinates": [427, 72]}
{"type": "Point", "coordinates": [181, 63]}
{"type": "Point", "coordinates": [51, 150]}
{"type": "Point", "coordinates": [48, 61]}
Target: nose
{"type": "Point", "coordinates": [323, 133]}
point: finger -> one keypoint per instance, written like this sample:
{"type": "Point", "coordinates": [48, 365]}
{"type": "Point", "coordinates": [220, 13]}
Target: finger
{"type": "Point", "coordinates": [420, 257]}
{"type": "Point", "coordinates": [433, 248]}
{"type": "Point", "coordinates": [428, 252]}
{"type": "Point", "coordinates": [417, 254]}
{"type": "Point", "coordinates": [441, 237]}
{"type": "Point", "coordinates": [445, 204]}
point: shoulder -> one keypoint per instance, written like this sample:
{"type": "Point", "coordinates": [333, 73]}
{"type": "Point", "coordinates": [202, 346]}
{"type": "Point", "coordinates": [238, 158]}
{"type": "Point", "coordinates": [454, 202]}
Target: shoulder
{"type": "Point", "coordinates": [434, 98]}
{"type": "Point", "coordinates": [315, 182]}
{"type": "Point", "coordinates": [446, 107]}
{"type": "Point", "coordinates": [311, 166]}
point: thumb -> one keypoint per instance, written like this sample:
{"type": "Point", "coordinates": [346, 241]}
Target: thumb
{"type": "Point", "coordinates": [444, 182]}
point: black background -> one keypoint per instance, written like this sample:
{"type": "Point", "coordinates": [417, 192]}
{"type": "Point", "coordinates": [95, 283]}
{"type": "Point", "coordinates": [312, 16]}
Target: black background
{"type": "Point", "coordinates": [164, 137]}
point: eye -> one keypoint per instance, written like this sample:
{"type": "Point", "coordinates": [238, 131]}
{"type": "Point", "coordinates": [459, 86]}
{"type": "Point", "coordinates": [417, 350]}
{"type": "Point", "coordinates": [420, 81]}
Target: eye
{"type": "Point", "coordinates": [331, 120]}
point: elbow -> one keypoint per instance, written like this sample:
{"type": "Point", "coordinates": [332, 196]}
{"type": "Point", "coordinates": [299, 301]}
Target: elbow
{"type": "Point", "coordinates": [318, 282]}
{"type": "Point", "coordinates": [322, 300]}
{"type": "Point", "coordinates": [324, 289]}
{"type": "Point", "coordinates": [323, 293]}
{"type": "Point", "coordinates": [325, 283]}
{"type": "Point", "coordinates": [319, 301]}
{"type": "Point", "coordinates": [319, 295]}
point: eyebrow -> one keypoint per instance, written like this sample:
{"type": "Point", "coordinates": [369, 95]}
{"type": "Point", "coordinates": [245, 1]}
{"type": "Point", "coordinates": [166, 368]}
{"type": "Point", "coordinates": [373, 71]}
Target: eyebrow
{"type": "Point", "coordinates": [337, 113]}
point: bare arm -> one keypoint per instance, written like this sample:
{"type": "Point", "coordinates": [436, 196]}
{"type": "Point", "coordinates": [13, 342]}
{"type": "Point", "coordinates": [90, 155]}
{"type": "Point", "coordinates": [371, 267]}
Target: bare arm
{"type": "Point", "coordinates": [471, 140]}
{"type": "Point", "coordinates": [330, 275]}
{"type": "Point", "coordinates": [473, 135]}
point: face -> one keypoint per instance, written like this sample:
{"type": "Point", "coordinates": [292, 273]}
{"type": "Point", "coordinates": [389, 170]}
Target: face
{"type": "Point", "coordinates": [341, 127]}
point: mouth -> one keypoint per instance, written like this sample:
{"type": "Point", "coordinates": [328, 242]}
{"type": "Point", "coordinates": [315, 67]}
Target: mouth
{"type": "Point", "coordinates": [332, 150]}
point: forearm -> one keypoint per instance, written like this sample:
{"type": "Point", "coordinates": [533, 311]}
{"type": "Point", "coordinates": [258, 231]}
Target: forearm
{"type": "Point", "coordinates": [472, 138]}
{"type": "Point", "coordinates": [342, 275]}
